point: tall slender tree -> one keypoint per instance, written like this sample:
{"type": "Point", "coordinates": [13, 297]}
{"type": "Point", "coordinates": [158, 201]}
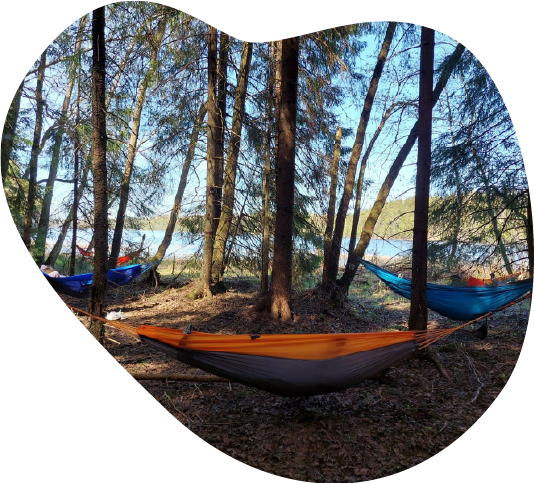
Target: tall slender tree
{"type": "Point", "coordinates": [98, 286]}
{"type": "Point", "coordinates": [332, 258]}
{"type": "Point", "coordinates": [175, 211]}
{"type": "Point", "coordinates": [334, 167]}
{"type": "Point", "coordinates": [418, 304]}
{"type": "Point", "coordinates": [285, 183]}
{"type": "Point", "coordinates": [230, 171]}
{"type": "Point", "coordinates": [36, 149]}
{"type": "Point", "coordinates": [8, 134]}
{"type": "Point", "coordinates": [44, 217]}
{"type": "Point", "coordinates": [365, 237]}
{"type": "Point", "coordinates": [210, 165]}
{"type": "Point", "coordinates": [155, 43]}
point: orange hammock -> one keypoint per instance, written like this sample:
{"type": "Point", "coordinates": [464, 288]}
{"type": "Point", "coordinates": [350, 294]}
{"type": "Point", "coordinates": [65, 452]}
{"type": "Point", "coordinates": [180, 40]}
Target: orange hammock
{"type": "Point", "coordinates": [289, 364]}
{"type": "Point", "coordinates": [475, 281]}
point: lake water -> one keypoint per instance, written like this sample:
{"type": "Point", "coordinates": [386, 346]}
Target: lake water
{"type": "Point", "coordinates": [184, 246]}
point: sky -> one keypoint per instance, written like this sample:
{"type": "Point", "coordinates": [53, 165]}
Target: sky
{"type": "Point", "coordinates": [55, 375]}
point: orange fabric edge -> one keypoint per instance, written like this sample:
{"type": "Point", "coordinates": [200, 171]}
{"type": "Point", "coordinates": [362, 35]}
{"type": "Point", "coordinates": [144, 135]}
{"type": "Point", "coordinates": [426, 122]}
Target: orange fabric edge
{"type": "Point", "coordinates": [296, 346]}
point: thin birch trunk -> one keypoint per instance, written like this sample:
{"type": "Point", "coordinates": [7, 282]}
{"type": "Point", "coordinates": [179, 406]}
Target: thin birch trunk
{"type": "Point", "coordinates": [369, 226]}
{"type": "Point", "coordinates": [175, 212]}
{"type": "Point", "coordinates": [132, 145]}
{"type": "Point", "coordinates": [222, 73]}
{"type": "Point", "coordinates": [361, 177]}
{"type": "Point", "coordinates": [228, 199]}
{"type": "Point", "coordinates": [8, 134]}
{"type": "Point", "coordinates": [332, 258]}
{"type": "Point", "coordinates": [330, 214]}
{"type": "Point", "coordinates": [44, 218]}
{"type": "Point", "coordinates": [32, 186]}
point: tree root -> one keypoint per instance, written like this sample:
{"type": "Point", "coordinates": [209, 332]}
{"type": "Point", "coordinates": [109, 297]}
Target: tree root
{"type": "Point", "coordinates": [430, 355]}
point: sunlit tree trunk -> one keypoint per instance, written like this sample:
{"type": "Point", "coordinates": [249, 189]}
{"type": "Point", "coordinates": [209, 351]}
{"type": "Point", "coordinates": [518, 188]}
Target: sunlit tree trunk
{"type": "Point", "coordinates": [44, 218]}
{"type": "Point", "coordinates": [361, 178]}
{"type": "Point", "coordinates": [530, 237]}
{"type": "Point", "coordinates": [8, 134]}
{"type": "Point", "coordinates": [376, 210]}
{"type": "Point", "coordinates": [132, 144]}
{"type": "Point", "coordinates": [332, 258]}
{"type": "Point", "coordinates": [418, 305]}
{"type": "Point", "coordinates": [222, 72]}
{"type": "Point", "coordinates": [266, 180]}
{"type": "Point", "coordinates": [285, 183]}
{"type": "Point", "coordinates": [71, 217]}
{"type": "Point", "coordinates": [98, 286]}
{"type": "Point", "coordinates": [331, 212]}
{"type": "Point", "coordinates": [230, 170]}
{"type": "Point", "coordinates": [207, 257]}
{"type": "Point", "coordinates": [175, 212]}
{"type": "Point", "coordinates": [32, 186]}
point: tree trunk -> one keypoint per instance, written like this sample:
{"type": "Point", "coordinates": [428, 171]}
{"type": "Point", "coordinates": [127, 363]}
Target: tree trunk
{"type": "Point", "coordinates": [418, 306]}
{"type": "Point", "coordinates": [266, 180]}
{"type": "Point", "coordinates": [175, 212]}
{"type": "Point", "coordinates": [210, 165]}
{"type": "Point", "coordinates": [530, 238]}
{"type": "Point", "coordinates": [376, 210]}
{"type": "Point", "coordinates": [361, 177]}
{"type": "Point", "coordinates": [332, 200]}
{"type": "Point", "coordinates": [44, 218]}
{"type": "Point", "coordinates": [56, 249]}
{"type": "Point", "coordinates": [231, 166]}
{"type": "Point", "coordinates": [76, 197]}
{"type": "Point", "coordinates": [32, 186]}
{"type": "Point", "coordinates": [222, 72]}
{"type": "Point", "coordinates": [155, 40]}
{"type": "Point", "coordinates": [98, 286]}
{"type": "Point", "coordinates": [285, 183]}
{"type": "Point", "coordinates": [332, 258]}
{"type": "Point", "coordinates": [8, 134]}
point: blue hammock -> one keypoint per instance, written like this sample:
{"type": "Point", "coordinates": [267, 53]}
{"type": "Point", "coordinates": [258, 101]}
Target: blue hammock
{"type": "Point", "coordinates": [462, 303]}
{"type": "Point", "coordinates": [80, 286]}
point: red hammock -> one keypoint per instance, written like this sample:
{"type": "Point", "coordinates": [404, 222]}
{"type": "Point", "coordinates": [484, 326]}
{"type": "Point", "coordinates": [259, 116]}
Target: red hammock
{"type": "Point", "coordinates": [120, 261]}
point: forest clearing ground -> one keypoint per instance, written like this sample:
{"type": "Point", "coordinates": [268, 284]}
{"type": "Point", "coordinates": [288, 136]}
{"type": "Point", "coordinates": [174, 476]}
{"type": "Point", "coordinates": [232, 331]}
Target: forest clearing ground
{"type": "Point", "coordinates": [379, 428]}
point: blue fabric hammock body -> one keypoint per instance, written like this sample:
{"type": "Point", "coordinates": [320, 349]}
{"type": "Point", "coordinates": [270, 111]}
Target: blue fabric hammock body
{"type": "Point", "coordinates": [79, 286]}
{"type": "Point", "coordinates": [462, 303]}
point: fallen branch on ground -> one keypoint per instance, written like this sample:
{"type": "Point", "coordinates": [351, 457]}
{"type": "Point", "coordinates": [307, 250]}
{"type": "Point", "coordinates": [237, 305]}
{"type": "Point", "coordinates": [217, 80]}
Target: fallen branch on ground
{"type": "Point", "coordinates": [178, 377]}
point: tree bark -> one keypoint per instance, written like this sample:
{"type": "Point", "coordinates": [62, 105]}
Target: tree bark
{"type": "Point", "coordinates": [44, 218]}
{"type": "Point", "coordinates": [376, 210]}
{"type": "Point", "coordinates": [56, 249]}
{"type": "Point", "coordinates": [8, 134]}
{"type": "Point", "coordinates": [210, 165]}
{"type": "Point", "coordinates": [530, 237]}
{"type": "Point", "coordinates": [175, 212]}
{"type": "Point", "coordinates": [418, 305]}
{"type": "Point", "coordinates": [222, 73]}
{"type": "Point", "coordinates": [334, 167]}
{"type": "Point", "coordinates": [132, 144]}
{"type": "Point", "coordinates": [266, 179]}
{"type": "Point", "coordinates": [361, 177]}
{"type": "Point", "coordinates": [98, 286]}
{"type": "Point", "coordinates": [332, 258]}
{"type": "Point", "coordinates": [32, 186]}
{"type": "Point", "coordinates": [230, 171]}
{"type": "Point", "coordinates": [285, 183]}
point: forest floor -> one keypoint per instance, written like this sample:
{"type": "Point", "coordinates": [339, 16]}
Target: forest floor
{"type": "Point", "coordinates": [376, 429]}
